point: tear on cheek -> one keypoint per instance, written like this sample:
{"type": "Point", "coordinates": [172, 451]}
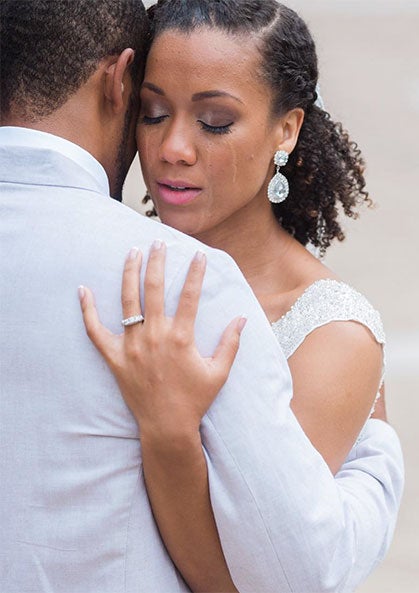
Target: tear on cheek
{"type": "Point", "coordinates": [234, 163]}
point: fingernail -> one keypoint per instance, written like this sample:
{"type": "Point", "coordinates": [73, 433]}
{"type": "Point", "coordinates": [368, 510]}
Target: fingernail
{"type": "Point", "coordinates": [241, 323]}
{"type": "Point", "coordinates": [82, 292]}
{"type": "Point", "coordinates": [133, 253]}
{"type": "Point", "coordinates": [200, 256]}
{"type": "Point", "coordinates": [157, 245]}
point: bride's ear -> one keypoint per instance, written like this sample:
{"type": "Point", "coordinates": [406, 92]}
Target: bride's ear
{"type": "Point", "coordinates": [288, 129]}
{"type": "Point", "coordinates": [116, 77]}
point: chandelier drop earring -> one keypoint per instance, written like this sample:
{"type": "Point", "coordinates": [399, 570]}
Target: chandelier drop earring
{"type": "Point", "coordinates": [279, 188]}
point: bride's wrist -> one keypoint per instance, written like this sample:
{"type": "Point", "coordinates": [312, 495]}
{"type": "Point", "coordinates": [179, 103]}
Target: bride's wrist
{"type": "Point", "coordinates": [172, 437]}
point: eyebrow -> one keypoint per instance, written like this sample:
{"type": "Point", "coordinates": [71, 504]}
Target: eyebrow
{"type": "Point", "coordinates": [196, 97]}
{"type": "Point", "coordinates": [212, 94]}
{"type": "Point", "coordinates": [153, 87]}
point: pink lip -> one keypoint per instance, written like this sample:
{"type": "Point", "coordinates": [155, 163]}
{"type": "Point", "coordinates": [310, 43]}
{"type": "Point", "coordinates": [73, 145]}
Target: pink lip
{"type": "Point", "coordinates": [177, 196]}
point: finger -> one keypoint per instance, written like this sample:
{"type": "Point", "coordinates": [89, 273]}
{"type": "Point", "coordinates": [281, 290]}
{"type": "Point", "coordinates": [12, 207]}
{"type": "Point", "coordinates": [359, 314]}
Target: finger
{"type": "Point", "coordinates": [101, 337]}
{"type": "Point", "coordinates": [228, 346]}
{"type": "Point", "coordinates": [130, 292]}
{"type": "Point", "coordinates": [154, 282]}
{"type": "Point", "coordinates": [191, 292]}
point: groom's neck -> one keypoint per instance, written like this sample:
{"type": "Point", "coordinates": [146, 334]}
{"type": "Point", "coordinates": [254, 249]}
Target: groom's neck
{"type": "Point", "coordinates": [73, 122]}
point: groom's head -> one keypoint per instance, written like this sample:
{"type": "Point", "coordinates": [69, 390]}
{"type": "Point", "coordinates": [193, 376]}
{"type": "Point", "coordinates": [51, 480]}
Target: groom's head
{"type": "Point", "coordinates": [73, 68]}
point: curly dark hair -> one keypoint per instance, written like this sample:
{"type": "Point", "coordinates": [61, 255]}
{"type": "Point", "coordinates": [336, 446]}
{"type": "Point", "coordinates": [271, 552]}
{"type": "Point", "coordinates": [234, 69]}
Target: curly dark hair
{"type": "Point", "coordinates": [326, 169]}
{"type": "Point", "coordinates": [49, 48]}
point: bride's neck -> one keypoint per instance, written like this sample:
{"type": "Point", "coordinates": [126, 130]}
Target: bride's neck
{"type": "Point", "coordinates": [277, 267]}
{"type": "Point", "coordinates": [260, 247]}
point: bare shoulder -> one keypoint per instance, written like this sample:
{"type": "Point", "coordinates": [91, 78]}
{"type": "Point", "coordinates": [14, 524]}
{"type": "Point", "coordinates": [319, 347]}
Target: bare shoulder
{"type": "Point", "coordinates": [336, 374]}
{"type": "Point", "coordinates": [336, 370]}
{"type": "Point", "coordinates": [340, 345]}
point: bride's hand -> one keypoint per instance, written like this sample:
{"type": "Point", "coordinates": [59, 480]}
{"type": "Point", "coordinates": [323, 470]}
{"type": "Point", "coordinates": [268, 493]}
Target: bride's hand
{"type": "Point", "coordinates": [165, 382]}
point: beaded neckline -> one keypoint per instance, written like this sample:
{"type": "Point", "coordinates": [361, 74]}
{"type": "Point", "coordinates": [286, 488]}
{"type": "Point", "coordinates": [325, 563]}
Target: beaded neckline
{"type": "Point", "coordinates": [325, 301]}
{"type": "Point", "coordinates": [322, 302]}
{"type": "Point", "coordinates": [309, 288]}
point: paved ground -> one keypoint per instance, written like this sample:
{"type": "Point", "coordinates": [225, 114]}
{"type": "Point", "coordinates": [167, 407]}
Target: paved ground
{"type": "Point", "coordinates": [370, 80]}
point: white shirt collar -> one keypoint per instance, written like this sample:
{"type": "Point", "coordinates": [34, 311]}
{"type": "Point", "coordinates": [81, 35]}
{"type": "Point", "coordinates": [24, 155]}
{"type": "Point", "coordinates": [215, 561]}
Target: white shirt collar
{"type": "Point", "coordinates": [16, 136]}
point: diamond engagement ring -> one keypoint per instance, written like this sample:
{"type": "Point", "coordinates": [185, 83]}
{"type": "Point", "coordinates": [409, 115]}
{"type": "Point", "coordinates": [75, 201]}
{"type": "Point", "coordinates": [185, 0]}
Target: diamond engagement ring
{"type": "Point", "coordinates": [132, 320]}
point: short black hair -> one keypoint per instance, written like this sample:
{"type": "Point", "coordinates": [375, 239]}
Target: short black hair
{"type": "Point", "coordinates": [326, 169]}
{"type": "Point", "coordinates": [49, 48]}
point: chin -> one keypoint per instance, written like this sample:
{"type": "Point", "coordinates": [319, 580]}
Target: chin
{"type": "Point", "coordinates": [180, 223]}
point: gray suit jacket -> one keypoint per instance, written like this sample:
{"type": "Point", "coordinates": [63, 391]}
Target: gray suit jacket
{"type": "Point", "coordinates": [75, 517]}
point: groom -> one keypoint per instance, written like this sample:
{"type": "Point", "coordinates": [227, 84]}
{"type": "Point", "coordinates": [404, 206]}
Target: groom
{"type": "Point", "coordinates": [74, 512]}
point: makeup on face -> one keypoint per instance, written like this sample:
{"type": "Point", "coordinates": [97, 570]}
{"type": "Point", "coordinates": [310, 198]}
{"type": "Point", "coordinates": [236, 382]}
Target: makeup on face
{"type": "Point", "coordinates": [204, 133]}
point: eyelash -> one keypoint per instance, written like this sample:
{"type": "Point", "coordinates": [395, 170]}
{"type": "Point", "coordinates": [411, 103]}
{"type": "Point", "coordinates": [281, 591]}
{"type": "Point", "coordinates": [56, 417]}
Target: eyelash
{"type": "Point", "coordinates": [216, 129]}
{"type": "Point", "coordinates": [150, 121]}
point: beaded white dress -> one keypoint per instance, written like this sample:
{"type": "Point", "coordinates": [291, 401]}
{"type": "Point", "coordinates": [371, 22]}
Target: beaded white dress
{"type": "Point", "coordinates": [323, 302]}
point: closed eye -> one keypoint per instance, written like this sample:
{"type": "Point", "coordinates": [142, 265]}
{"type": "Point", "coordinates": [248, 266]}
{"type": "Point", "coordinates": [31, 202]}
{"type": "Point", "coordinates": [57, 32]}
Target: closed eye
{"type": "Point", "coordinates": [150, 121]}
{"type": "Point", "coordinates": [216, 129]}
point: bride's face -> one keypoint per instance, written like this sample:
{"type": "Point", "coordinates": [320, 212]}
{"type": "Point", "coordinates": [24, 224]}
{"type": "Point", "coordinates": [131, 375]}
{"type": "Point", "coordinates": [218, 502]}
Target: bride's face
{"type": "Point", "coordinates": [206, 136]}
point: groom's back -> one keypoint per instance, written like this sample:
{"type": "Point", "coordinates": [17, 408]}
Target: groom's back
{"type": "Point", "coordinates": [74, 512]}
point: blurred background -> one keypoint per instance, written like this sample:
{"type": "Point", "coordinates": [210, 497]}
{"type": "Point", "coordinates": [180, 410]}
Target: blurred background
{"type": "Point", "coordinates": [368, 53]}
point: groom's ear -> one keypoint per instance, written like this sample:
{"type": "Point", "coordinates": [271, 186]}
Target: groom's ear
{"type": "Point", "coordinates": [117, 80]}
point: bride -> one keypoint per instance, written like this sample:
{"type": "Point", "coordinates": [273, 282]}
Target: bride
{"type": "Point", "coordinates": [237, 152]}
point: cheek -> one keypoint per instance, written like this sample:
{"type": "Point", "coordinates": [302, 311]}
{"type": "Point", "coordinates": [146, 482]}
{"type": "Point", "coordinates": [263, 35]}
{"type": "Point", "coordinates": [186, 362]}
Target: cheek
{"type": "Point", "coordinates": [247, 168]}
{"type": "Point", "coordinates": [249, 156]}
{"type": "Point", "coordinates": [260, 164]}
{"type": "Point", "coordinates": [225, 164]}
{"type": "Point", "coordinates": [235, 180]}
{"type": "Point", "coordinates": [147, 148]}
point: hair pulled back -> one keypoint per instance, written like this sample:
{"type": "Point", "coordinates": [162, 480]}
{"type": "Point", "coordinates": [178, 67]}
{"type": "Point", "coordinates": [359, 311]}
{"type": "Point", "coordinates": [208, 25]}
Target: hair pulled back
{"type": "Point", "coordinates": [325, 170]}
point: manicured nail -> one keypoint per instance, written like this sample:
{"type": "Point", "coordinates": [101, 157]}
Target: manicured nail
{"type": "Point", "coordinates": [200, 257]}
{"type": "Point", "coordinates": [82, 292]}
{"type": "Point", "coordinates": [133, 254]}
{"type": "Point", "coordinates": [157, 245]}
{"type": "Point", "coordinates": [241, 323]}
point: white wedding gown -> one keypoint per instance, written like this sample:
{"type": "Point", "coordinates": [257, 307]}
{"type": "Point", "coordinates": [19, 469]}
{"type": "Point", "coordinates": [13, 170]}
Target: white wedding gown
{"type": "Point", "coordinates": [323, 302]}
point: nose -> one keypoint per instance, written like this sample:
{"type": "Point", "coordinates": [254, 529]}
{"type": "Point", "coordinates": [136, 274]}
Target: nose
{"type": "Point", "coordinates": [177, 145]}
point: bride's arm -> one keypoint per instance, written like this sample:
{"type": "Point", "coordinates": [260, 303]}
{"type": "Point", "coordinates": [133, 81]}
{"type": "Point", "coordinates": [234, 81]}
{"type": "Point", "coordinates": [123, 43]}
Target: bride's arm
{"type": "Point", "coordinates": [336, 376]}
{"type": "Point", "coordinates": [284, 522]}
{"type": "Point", "coordinates": [169, 387]}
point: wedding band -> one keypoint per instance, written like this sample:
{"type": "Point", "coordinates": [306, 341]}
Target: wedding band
{"type": "Point", "coordinates": [132, 320]}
